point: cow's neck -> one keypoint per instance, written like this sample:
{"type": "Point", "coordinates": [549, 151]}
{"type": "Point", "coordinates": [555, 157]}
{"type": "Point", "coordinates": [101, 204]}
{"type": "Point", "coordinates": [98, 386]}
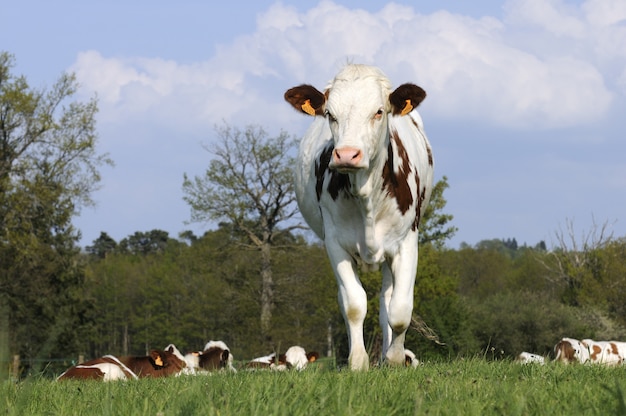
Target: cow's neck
{"type": "Point", "coordinates": [367, 187]}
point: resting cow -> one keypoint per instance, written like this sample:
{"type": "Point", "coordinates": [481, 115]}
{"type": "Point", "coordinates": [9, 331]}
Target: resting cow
{"type": "Point", "coordinates": [160, 363]}
{"type": "Point", "coordinates": [295, 357]}
{"type": "Point", "coordinates": [106, 368]}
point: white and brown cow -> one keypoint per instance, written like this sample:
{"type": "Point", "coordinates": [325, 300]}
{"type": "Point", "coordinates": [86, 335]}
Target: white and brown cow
{"type": "Point", "coordinates": [530, 358]}
{"type": "Point", "coordinates": [106, 368]}
{"type": "Point", "coordinates": [364, 176]}
{"type": "Point", "coordinates": [604, 352]}
{"type": "Point", "coordinates": [570, 350]}
{"type": "Point", "coordinates": [295, 357]}
{"type": "Point", "coordinates": [160, 363]}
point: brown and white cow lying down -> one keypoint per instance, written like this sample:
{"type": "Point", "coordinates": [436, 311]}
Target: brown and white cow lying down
{"type": "Point", "coordinates": [160, 363]}
{"type": "Point", "coordinates": [363, 179]}
{"type": "Point", "coordinates": [410, 360]}
{"type": "Point", "coordinates": [106, 368]}
{"type": "Point", "coordinates": [570, 350]}
{"type": "Point", "coordinates": [605, 352]}
{"type": "Point", "coordinates": [530, 358]}
{"type": "Point", "coordinates": [295, 357]}
{"type": "Point", "coordinates": [216, 356]}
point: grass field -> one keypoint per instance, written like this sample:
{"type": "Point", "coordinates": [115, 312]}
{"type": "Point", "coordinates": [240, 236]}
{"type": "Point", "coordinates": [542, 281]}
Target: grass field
{"type": "Point", "coordinates": [459, 387]}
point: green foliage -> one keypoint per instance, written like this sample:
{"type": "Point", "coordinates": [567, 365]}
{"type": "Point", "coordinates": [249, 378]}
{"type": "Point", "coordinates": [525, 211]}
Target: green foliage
{"type": "Point", "coordinates": [48, 170]}
{"type": "Point", "coordinates": [434, 227]}
{"type": "Point", "coordinates": [512, 322]}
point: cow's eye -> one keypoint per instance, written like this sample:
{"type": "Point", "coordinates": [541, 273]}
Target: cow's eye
{"type": "Point", "coordinates": [379, 114]}
{"type": "Point", "coordinates": [330, 116]}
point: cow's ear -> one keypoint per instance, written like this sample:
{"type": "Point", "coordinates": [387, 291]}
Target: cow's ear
{"type": "Point", "coordinates": [156, 357]}
{"type": "Point", "coordinates": [405, 98]}
{"type": "Point", "coordinates": [307, 99]}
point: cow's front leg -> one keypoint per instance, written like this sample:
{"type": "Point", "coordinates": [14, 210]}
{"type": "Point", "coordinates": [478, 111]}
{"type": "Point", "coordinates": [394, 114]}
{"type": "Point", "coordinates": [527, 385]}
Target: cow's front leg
{"type": "Point", "coordinates": [353, 304]}
{"type": "Point", "coordinates": [403, 267]}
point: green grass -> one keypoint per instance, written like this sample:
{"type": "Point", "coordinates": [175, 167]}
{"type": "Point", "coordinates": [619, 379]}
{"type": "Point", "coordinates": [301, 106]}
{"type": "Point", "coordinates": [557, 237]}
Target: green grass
{"type": "Point", "coordinates": [459, 387]}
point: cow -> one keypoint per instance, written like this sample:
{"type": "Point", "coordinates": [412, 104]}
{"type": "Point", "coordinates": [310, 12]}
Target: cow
{"type": "Point", "coordinates": [604, 352]}
{"type": "Point", "coordinates": [106, 368]}
{"type": "Point", "coordinates": [295, 357]}
{"type": "Point", "coordinates": [530, 358]}
{"type": "Point", "coordinates": [410, 360]}
{"type": "Point", "coordinates": [570, 350]}
{"type": "Point", "coordinates": [363, 179]}
{"type": "Point", "coordinates": [160, 363]}
{"type": "Point", "coordinates": [216, 355]}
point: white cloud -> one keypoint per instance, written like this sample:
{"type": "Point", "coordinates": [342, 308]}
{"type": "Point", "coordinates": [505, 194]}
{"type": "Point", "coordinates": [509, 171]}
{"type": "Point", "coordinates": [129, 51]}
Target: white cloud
{"type": "Point", "coordinates": [473, 69]}
{"type": "Point", "coordinates": [605, 12]}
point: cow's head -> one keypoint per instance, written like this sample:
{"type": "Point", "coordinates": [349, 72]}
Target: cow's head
{"type": "Point", "coordinates": [166, 360]}
{"type": "Point", "coordinates": [356, 103]}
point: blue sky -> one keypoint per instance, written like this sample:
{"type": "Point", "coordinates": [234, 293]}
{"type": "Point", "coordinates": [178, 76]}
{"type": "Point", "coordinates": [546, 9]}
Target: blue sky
{"type": "Point", "coordinates": [526, 106]}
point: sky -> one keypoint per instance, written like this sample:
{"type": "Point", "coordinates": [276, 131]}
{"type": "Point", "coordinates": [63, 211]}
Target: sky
{"type": "Point", "coordinates": [526, 105]}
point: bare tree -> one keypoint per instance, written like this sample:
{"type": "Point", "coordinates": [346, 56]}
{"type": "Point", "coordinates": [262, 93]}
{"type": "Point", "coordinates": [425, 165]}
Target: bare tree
{"type": "Point", "coordinates": [572, 258]}
{"type": "Point", "coordinates": [249, 184]}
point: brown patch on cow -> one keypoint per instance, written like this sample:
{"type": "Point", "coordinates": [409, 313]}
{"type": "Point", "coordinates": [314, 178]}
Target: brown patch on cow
{"type": "Point", "coordinates": [157, 364]}
{"type": "Point", "coordinates": [430, 156]}
{"type": "Point", "coordinates": [81, 373]}
{"type": "Point", "coordinates": [396, 183]}
{"type": "Point", "coordinates": [567, 351]}
{"type": "Point", "coordinates": [614, 349]}
{"type": "Point", "coordinates": [337, 182]}
{"type": "Point", "coordinates": [418, 206]}
{"type": "Point", "coordinates": [212, 359]}
{"type": "Point", "coordinates": [596, 351]}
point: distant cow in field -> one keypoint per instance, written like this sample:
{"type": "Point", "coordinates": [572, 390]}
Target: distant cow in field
{"type": "Point", "coordinates": [295, 357]}
{"type": "Point", "coordinates": [410, 360]}
{"type": "Point", "coordinates": [570, 350]}
{"type": "Point", "coordinates": [363, 179]}
{"type": "Point", "coordinates": [215, 356]}
{"type": "Point", "coordinates": [219, 350]}
{"type": "Point", "coordinates": [605, 352]}
{"type": "Point", "coordinates": [530, 358]}
{"type": "Point", "coordinates": [160, 363]}
{"type": "Point", "coordinates": [106, 368]}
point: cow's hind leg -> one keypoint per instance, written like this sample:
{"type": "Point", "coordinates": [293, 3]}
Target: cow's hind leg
{"type": "Point", "coordinates": [383, 315]}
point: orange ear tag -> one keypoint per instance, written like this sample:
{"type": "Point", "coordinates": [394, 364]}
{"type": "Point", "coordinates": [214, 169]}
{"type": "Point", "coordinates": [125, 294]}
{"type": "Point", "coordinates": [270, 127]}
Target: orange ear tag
{"type": "Point", "coordinates": [307, 108]}
{"type": "Point", "coordinates": [407, 108]}
{"type": "Point", "coordinates": [159, 362]}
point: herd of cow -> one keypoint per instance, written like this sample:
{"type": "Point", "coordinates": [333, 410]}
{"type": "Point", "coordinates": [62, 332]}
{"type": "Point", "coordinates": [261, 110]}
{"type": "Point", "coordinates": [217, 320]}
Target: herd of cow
{"type": "Point", "coordinates": [215, 356]}
{"type": "Point", "coordinates": [570, 350]}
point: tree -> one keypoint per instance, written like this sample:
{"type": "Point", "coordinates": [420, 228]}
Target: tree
{"type": "Point", "coordinates": [433, 224]}
{"type": "Point", "coordinates": [48, 170]}
{"type": "Point", "coordinates": [573, 262]}
{"type": "Point", "coordinates": [249, 184]}
{"type": "Point", "coordinates": [154, 241]}
{"type": "Point", "coordinates": [102, 246]}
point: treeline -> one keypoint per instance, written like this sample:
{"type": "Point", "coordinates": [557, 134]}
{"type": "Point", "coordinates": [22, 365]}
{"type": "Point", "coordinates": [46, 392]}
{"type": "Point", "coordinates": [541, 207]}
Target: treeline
{"type": "Point", "coordinates": [493, 298]}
